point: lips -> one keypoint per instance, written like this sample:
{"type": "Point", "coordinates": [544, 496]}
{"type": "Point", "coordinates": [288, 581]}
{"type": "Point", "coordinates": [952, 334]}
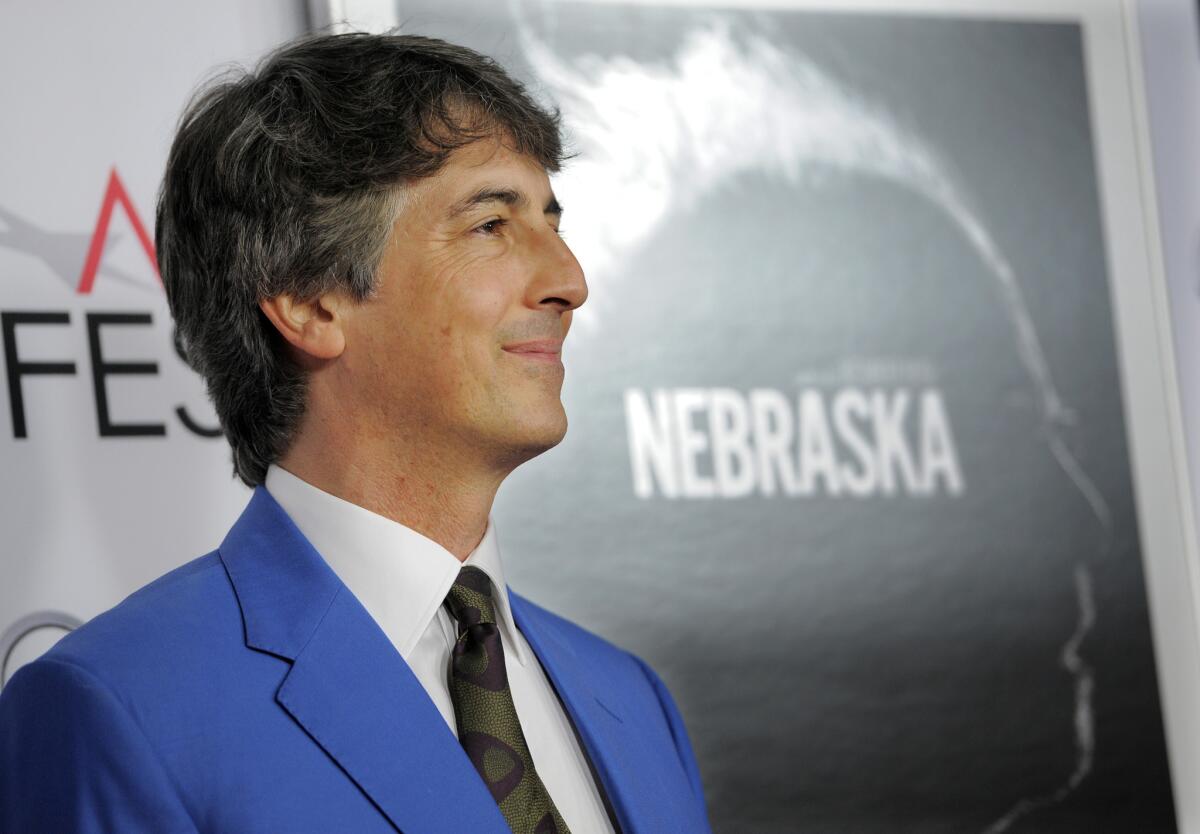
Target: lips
{"type": "Point", "coordinates": [553, 346]}
{"type": "Point", "coordinates": [541, 348]}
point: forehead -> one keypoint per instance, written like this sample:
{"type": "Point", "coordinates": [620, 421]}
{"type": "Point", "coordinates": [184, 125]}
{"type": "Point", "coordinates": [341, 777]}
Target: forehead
{"type": "Point", "coordinates": [491, 162]}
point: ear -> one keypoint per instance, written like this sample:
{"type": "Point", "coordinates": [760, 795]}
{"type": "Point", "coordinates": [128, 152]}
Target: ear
{"type": "Point", "coordinates": [316, 328]}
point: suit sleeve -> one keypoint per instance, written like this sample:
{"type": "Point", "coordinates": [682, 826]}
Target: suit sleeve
{"type": "Point", "coordinates": [73, 759]}
{"type": "Point", "coordinates": [683, 745]}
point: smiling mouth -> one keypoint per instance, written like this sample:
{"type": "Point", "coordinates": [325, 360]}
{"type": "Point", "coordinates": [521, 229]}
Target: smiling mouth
{"type": "Point", "coordinates": [542, 350]}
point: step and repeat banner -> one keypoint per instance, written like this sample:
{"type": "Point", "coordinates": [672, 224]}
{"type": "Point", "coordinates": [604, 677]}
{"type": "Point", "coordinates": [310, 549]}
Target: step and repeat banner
{"type": "Point", "coordinates": [870, 454]}
{"type": "Point", "coordinates": [113, 468]}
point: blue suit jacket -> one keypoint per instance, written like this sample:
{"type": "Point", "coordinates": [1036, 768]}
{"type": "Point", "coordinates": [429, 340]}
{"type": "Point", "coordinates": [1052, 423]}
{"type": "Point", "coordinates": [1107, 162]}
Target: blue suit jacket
{"type": "Point", "coordinates": [249, 691]}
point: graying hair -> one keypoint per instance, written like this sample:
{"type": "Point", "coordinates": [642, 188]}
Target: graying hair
{"type": "Point", "coordinates": [287, 180]}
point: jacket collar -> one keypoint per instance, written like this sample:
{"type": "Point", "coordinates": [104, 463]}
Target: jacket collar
{"type": "Point", "coordinates": [282, 584]}
{"type": "Point", "coordinates": [347, 686]}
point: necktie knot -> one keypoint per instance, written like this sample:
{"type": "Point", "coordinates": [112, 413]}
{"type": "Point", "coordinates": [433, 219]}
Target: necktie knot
{"type": "Point", "coordinates": [470, 599]}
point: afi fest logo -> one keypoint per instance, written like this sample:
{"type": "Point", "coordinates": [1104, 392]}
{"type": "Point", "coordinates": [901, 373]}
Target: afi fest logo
{"type": "Point", "coordinates": [14, 323]}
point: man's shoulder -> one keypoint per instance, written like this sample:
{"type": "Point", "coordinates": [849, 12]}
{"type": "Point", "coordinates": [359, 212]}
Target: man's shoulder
{"type": "Point", "coordinates": [567, 631]}
{"type": "Point", "coordinates": [185, 617]}
{"type": "Point", "coordinates": [605, 659]}
{"type": "Point", "coordinates": [624, 680]}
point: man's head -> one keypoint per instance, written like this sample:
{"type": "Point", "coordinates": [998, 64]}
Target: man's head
{"type": "Point", "coordinates": [371, 213]}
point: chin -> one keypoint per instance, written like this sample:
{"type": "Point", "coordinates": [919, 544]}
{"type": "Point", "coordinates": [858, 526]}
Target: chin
{"type": "Point", "coordinates": [535, 438]}
{"type": "Point", "coordinates": [549, 435]}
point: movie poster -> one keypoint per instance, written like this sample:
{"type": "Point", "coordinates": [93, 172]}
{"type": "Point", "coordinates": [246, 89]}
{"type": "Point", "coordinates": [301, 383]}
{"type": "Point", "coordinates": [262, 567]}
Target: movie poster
{"type": "Point", "coordinates": [847, 459]}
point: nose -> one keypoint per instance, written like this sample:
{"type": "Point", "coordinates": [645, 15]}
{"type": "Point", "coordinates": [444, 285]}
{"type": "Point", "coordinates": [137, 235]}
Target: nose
{"type": "Point", "coordinates": [557, 279]}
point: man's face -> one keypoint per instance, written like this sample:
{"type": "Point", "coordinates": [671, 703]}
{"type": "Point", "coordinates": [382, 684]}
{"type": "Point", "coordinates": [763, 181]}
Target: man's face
{"type": "Point", "coordinates": [461, 345]}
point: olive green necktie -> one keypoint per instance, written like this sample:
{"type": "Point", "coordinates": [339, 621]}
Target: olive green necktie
{"type": "Point", "coordinates": [483, 707]}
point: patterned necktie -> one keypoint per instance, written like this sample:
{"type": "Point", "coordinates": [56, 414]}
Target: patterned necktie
{"type": "Point", "coordinates": [483, 707]}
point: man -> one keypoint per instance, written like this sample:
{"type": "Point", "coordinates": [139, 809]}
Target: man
{"type": "Point", "coordinates": [360, 248]}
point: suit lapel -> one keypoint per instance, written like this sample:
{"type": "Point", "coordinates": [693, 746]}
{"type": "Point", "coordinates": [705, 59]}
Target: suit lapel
{"type": "Point", "coordinates": [611, 741]}
{"type": "Point", "coordinates": [352, 693]}
{"type": "Point", "coordinates": [347, 686]}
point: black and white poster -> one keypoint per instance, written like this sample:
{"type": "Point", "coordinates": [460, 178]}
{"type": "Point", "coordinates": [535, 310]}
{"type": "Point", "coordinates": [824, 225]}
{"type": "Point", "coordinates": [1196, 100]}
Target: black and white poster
{"type": "Point", "coordinates": [847, 459]}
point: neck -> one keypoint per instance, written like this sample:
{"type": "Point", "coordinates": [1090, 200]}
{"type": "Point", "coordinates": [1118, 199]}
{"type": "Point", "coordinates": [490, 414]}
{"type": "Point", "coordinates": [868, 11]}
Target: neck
{"type": "Point", "coordinates": [438, 492]}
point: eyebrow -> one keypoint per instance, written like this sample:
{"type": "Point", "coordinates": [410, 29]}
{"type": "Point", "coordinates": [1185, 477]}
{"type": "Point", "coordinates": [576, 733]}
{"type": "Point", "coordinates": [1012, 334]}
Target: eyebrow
{"type": "Point", "coordinates": [507, 196]}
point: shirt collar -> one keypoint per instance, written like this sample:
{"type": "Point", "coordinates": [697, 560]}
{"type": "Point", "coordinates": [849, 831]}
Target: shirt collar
{"type": "Point", "coordinates": [400, 576]}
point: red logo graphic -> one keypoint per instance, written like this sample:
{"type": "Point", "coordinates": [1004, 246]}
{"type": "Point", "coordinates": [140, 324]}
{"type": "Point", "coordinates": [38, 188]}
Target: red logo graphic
{"type": "Point", "coordinates": [114, 194]}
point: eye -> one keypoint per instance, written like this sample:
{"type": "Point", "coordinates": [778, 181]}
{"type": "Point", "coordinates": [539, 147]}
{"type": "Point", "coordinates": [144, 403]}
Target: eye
{"type": "Point", "coordinates": [491, 227]}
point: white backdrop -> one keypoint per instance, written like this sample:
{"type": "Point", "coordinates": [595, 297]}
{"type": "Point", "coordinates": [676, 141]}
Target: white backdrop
{"type": "Point", "coordinates": [93, 88]}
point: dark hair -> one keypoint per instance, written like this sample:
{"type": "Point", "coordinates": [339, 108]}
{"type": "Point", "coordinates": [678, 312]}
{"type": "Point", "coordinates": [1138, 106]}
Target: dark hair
{"type": "Point", "coordinates": [288, 179]}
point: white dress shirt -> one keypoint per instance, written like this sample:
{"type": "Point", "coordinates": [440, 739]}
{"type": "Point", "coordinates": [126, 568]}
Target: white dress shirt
{"type": "Point", "coordinates": [402, 578]}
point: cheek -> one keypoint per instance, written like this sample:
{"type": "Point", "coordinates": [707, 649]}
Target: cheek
{"type": "Point", "coordinates": [461, 341]}
{"type": "Point", "coordinates": [475, 311]}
